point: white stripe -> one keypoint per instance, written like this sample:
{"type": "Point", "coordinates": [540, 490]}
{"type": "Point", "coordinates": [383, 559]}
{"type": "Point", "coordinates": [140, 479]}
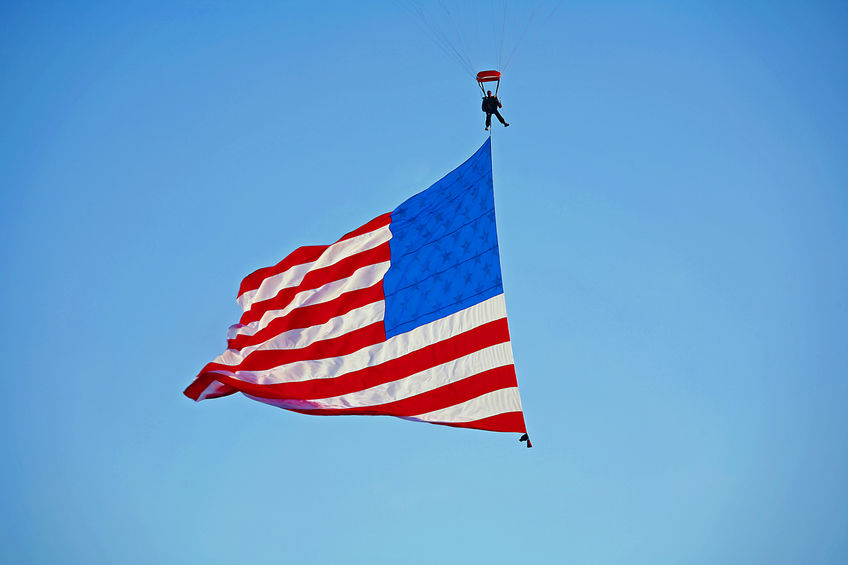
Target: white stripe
{"type": "Point", "coordinates": [302, 337]}
{"type": "Point", "coordinates": [489, 404]}
{"type": "Point", "coordinates": [272, 285]}
{"type": "Point", "coordinates": [419, 383]}
{"type": "Point", "coordinates": [444, 328]}
{"type": "Point", "coordinates": [293, 276]}
{"type": "Point", "coordinates": [213, 388]}
{"type": "Point", "coordinates": [361, 278]}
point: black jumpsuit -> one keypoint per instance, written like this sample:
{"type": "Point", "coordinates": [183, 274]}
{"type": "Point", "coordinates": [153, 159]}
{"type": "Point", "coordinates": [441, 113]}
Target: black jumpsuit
{"type": "Point", "coordinates": [490, 106]}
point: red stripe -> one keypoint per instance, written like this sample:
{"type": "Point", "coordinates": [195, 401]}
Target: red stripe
{"type": "Point", "coordinates": [436, 399]}
{"type": "Point", "coordinates": [305, 254]}
{"type": "Point", "coordinates": [511, 422]}
{"type": "Point", "coordinates": [222, 393]}
{"type": "Point", "coordinates": [346, 344]}
{"type": "Point", "coordinates": [376, 223]}
{"type": "Point", "coordinates": [312, 315]}
{"type": "Point", "coordinates": [458, 346]}
{"type": "Point", "coordinates": [318, 278]}
{"type": "Point", "coordinates": [202, 382]}
{"type": "Point", "coordinates": [506, 422]}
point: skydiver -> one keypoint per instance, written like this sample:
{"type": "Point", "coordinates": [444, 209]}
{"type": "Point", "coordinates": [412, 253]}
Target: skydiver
{"type": "Point", "coordinates": [490, 106]}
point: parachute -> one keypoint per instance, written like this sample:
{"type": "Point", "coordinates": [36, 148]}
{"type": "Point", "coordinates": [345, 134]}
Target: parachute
{"type": "Point", "coordinates": [490, 32]}
{"type": "Point", "coordinates": [489, 76]}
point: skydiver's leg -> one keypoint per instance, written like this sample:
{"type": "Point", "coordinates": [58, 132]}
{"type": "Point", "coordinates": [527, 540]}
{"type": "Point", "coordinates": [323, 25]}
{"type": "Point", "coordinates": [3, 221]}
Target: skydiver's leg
{"type": "Point", "coordinates": [488, 119]}
{"type": "Point", "coordinates": [498, 114]}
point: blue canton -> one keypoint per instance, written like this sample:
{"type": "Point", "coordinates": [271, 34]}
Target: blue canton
{"type": "Point", "coordinates": [444, 248]}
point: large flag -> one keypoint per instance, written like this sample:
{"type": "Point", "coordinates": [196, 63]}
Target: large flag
{"type": "Point", "coordinates": [403, 317]}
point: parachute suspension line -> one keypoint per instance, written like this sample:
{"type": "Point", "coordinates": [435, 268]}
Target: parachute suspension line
{"type": "Point", "coordinates": [439, 31]}
{"type": "Point", "coordinates": [482, 32]}
{"type": "Point", "coordinates": [460, 37]}
{"type": "Point", "coordinates": [494, 26]}
{"type": "Point", "coordinates": [425, 24]}
{"type": "Point", "coordinates": [451, 47]}
{"type": "Point", "coordinates": [489, 76]}
{"type": "Point", "coordinates": [483, 89]}
{"type": "Point", "coordinates": [523, 33]}
{"type": "Point", "coordinates": [503, 34]}
{"type": "Point", "coordinates": [441, 40]}
{"type": "Point", "coordinates": [532, 17]}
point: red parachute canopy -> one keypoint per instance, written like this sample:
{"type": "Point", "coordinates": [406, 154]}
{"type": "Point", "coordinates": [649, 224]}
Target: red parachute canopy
{"type": "Point", "coordinates": [489, 76]}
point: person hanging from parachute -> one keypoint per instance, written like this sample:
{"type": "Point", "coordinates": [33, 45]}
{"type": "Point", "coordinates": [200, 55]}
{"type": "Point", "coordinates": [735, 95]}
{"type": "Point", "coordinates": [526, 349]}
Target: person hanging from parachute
{"type": "Point", "coordinates": [452, 26]}
{"type": "Point", "coordinates": [490, 106]}
{"type": "Point", "coordinates": [490, 101]}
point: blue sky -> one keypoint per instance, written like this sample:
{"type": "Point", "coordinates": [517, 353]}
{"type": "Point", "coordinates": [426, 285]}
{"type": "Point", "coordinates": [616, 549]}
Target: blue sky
{"type": "Point", "coordinates": [672, 198]}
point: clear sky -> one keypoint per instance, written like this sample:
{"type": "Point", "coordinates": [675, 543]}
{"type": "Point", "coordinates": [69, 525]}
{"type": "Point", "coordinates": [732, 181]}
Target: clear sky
{"type": "Point", "coordinates": [672, 200]}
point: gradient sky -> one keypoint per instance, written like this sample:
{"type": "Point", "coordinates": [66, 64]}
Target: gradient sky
{"type": "Point", "coordinates": [672, 202]}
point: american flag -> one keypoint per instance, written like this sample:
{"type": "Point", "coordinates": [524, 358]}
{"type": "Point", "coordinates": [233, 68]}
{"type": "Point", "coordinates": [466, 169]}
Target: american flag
{"type": "Point", "coordinates": [404, 317]}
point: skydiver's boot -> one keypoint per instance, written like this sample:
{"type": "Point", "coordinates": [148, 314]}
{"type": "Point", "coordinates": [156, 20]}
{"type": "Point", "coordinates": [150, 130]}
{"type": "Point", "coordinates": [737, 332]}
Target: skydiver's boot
{"type": "Point", "coordinates": [506, 125]}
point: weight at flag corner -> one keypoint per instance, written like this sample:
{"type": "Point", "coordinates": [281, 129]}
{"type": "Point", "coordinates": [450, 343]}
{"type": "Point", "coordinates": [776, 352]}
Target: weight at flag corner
{"type": "Point", "coordinates": [403, 316]}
